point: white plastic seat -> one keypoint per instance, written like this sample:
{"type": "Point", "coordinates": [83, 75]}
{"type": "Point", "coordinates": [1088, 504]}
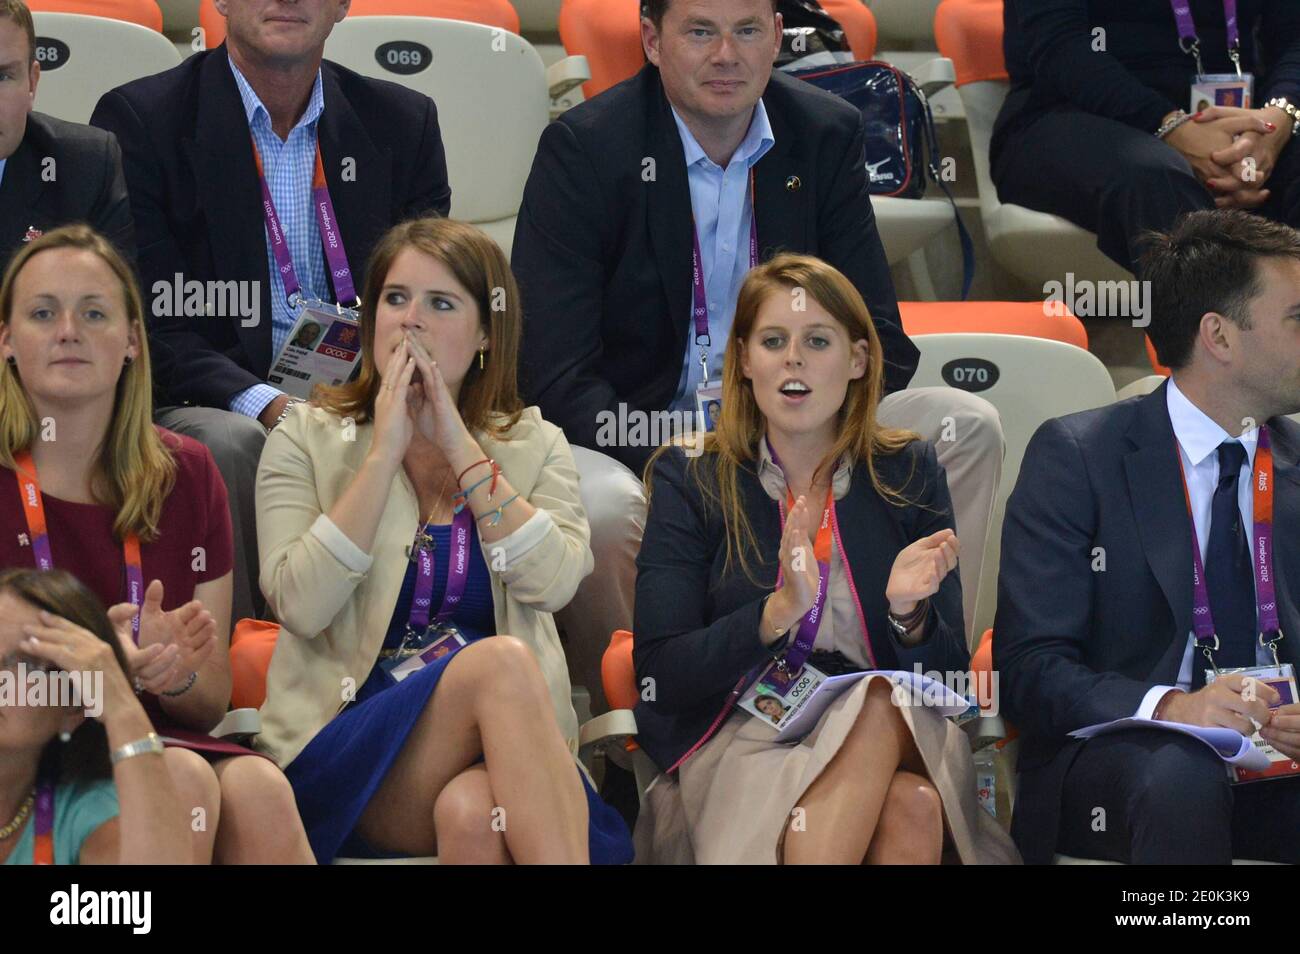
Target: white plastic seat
{"type": "Point", "coordinates": [1143, 385]}
{"type": "Point", "coordinates": [906, 225]}
{"type": "Point", "coordinates": [83, 57]}
{"type": "Point", "coordinates": [491, 91]}
{"type": "Point", "coordinates": [1028, 380]}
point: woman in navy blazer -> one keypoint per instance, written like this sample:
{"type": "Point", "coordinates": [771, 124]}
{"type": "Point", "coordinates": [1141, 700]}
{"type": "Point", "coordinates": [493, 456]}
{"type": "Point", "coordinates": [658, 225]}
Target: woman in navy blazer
{"type": "Point", "coordinates": [798, 450]}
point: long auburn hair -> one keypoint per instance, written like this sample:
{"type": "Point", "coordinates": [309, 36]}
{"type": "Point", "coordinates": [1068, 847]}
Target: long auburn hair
{"type": "Point", "coordinates": [133, 471]}
{"type": "Point", "coordinates": [489, 398]}
{"type": "Point", "coordinates": [734, 442]}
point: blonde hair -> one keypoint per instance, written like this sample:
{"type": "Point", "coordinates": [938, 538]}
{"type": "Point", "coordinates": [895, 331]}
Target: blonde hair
{"type": "Point", "coordinates": [489, 398]}
{"type": "Point", "coordinates": [133, 471]}
{"type": "Point", "coordinates": [740, 426]}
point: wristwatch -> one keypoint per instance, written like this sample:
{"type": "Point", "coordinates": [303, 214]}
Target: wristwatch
{"type": "Point", "coordinates": [149, 745]}
{"type": "Point", "coordinates": [1283, 104]}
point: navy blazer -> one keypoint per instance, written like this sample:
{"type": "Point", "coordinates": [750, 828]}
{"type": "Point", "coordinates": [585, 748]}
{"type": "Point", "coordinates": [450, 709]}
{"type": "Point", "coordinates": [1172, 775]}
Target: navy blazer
{"type": "Point", "coordinates": [198, 206]}
{"type": "Point", "coordinates": [697, 623]}
{"type": "Point", "coordinates": [1078, 641]}
{"type": "Point", "coordinates": [84, 184]}
{"type": "Point", "coordinates": [602, 248]}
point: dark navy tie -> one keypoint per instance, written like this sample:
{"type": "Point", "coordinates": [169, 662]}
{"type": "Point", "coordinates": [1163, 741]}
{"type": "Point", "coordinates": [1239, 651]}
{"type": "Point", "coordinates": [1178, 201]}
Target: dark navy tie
{"type": "Point", "coordinates": [1228, 573]}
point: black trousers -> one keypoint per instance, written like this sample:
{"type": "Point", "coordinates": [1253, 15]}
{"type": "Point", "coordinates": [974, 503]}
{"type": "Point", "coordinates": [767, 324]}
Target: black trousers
{"type": "Point", "coordinates": [1147, 796]}
{"type": "Point", "coordinates": [1118, 181]}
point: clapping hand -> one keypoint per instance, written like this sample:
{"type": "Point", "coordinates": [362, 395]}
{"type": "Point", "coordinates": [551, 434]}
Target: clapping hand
{"type": "Point", "coordinates": [919, 569]}
{"type": "Point", "coordinates": [173, 643]}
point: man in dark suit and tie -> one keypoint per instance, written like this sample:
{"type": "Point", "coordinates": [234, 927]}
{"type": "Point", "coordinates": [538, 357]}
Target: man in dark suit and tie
{"type": "Point", "coordinates": [1096, 601]}
{"type": "Point", "coordinates": [191, 137]}
{"type": "Point", "coordinates": [705, 135]}
{"type": "Point", "coordinates": [51, 172]}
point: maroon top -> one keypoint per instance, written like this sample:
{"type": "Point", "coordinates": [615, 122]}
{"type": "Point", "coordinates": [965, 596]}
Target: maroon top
{"type": "Point", "coordinates": [195, 514]}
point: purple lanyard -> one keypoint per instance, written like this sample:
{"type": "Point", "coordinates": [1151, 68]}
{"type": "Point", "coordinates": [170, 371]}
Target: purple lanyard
{"type": "Point", "coordinates": [43, 844]}
{"type": "Point", "coordinates": [1261, 562]}
{"type": "Point", "coordinates": [1190, 43]}
{"type": "Point", "coordinates": [700, 295]}
{"type": "Point", "coordinates": [326, 221]}
{"type": "Point", "coordinates": [806, 635]}
{"type": "Point", "coordinates": [462, 525]}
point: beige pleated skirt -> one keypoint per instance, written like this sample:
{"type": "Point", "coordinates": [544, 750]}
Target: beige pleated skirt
{"type": "Point", "coordinates": [731, 801]}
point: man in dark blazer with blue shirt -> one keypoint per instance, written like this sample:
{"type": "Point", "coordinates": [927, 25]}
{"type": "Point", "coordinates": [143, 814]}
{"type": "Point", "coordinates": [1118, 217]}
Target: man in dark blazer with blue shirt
{"type": "Point", "coordinates": [52, 172]}
{"type": "Point", "coordinates": [603, 256]}
{"type": "Point", "coordinates": [1095, 595]}
{"type": "Point", "coordinates": [188, 139]}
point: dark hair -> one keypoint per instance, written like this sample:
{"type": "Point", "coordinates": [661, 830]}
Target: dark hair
{"type": "Point", "coordinates": [85, 756]}
{"type": "Point", "coordinates": [1207, 263]}
{"type": "Point", "coordinates": [654, 10]}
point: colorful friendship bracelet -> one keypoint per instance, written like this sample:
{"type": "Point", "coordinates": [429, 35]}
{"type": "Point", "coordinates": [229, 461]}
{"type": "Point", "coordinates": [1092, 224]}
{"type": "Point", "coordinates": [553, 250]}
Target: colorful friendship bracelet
{"type": "Point", "coordinates": [498, 512]}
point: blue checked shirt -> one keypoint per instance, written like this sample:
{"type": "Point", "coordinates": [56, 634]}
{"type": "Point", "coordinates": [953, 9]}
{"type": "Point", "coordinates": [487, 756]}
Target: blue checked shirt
{"type": "Point", "coordinates": [721, 205]}
{"type": "Point", "coordinates": [289, 166]}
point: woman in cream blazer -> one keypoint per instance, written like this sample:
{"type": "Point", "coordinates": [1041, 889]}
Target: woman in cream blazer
{"type": "Point", "coordinates": [372, 565]}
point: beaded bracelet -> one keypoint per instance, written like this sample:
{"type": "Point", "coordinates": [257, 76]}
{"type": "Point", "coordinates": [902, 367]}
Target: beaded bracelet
{"type": "Point", "coordinates": [189, 684]}
{"type": "Point", "coordinates": [498, 512]}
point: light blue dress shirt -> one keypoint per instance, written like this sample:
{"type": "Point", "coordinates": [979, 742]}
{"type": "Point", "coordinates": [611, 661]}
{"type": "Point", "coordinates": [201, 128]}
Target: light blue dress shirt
{"type": "Point", "coordinates": [289, 165]}
{"type": "Point", "coordinates": [721, 204]}
{"type": "Point", "coordinates": [2, 169]}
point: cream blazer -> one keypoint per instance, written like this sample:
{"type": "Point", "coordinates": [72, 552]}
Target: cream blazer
{"type": "Point", "coordinates": [334, 601]}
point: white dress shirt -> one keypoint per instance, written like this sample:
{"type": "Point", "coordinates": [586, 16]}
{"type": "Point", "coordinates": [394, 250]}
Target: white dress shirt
{"type": "Point", "coordinates": [1198, 439]}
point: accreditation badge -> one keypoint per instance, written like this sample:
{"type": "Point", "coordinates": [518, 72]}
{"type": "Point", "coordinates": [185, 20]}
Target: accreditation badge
{"type": "Point", "coordinates": [708, 405]}
{"type": "Point", "coordinates": [778, 695]}
{"type": "Point", "coordinates": [439, 640]}
{"type": "Point", "coordinates": [1222, 89]}
{"type": "Point", "coordinates": [324, 347]}
{"type": "Point", "coordinates": [1281, 678]}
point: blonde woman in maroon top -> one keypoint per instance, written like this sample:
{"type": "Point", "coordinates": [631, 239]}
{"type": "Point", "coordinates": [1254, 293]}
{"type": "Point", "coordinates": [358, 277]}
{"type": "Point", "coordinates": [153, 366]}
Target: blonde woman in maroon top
{"type": "Point", "coordinates": [88, 484]}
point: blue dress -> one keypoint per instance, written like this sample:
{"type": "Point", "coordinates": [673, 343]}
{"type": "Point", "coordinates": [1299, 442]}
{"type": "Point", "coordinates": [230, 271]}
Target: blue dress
{"type": "Point", "coordinates": [337, 774]}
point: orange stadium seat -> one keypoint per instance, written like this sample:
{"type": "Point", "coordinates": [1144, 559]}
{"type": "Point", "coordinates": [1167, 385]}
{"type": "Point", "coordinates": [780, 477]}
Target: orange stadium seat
{"type": "Point", "coordinates": [618, 673]}
{"type": "Point", "coordinates": [991, 317]}
{"type": "Point", "coordinates": [251, 647]}
{"type": "Point", "coordinates": [859, 25]}
{"type": "Point", "coordinates": [969, 32]}
{"type": "Point", "coordinates": [608, 34]}
{"type": "Point", "coordinates": [144, 12]}
{"type": "Point", "coordinates": [493, 13]}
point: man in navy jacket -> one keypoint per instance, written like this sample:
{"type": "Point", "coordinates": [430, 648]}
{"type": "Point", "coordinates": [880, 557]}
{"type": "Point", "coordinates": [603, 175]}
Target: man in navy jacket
{"type": "Point", "coordinates": [1095, 595]}
{"type": "Point", "coordinates": [187, 139]}
{"type": "Point", "coordinates": [52, 172]}
{"type": "Point", "coordinates": [603, 255]}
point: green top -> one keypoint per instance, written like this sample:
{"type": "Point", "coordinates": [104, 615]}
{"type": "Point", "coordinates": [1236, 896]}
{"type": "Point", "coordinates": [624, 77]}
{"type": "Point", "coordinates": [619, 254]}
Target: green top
{"type": "Point", "coordinates": [79, 809]}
